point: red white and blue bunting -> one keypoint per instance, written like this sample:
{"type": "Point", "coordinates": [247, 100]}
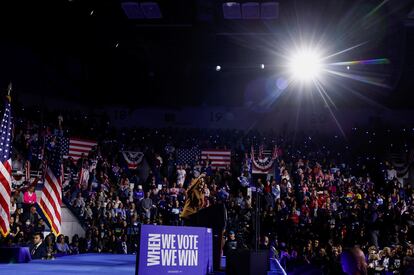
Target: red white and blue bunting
{"type": "Point", "coordinates": [133, 159]}
{"type": "Point", "coordinates": [263, 161]}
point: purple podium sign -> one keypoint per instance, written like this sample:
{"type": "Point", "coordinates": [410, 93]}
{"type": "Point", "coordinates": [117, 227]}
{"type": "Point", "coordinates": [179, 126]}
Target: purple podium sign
{"type": "Point", "coordinates": [180, 250]}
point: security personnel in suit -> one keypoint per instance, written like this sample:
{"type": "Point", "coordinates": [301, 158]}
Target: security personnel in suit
{"type": "Point", "coordinates": [38, 249]}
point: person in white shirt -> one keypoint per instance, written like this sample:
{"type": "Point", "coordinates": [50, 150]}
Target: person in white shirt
{"type": "Point", "coordinates": [17, 164]}
{"type": "Point", "coordinates": [391, 173]}
{"type": "Point", "coordinates": [244, 180]}
{"type": "Point", "coordinates": [117, 202]}
{"type": "Point", "coordinates": [285, 175]}
{"type": "Point", "coordinates": [13, 206]}
{"type": "Point", "coordinates": [275, 190]}
{"type": "Point", "coordinates": [181, 173]}
{"type": "Point", "coordinates": [197, 170]}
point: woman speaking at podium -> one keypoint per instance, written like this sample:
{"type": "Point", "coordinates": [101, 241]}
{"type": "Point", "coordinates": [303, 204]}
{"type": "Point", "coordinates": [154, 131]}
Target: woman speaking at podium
{"type": "Point", "coordinates": [214, 216]}
{"type": "Point", "coordinates": [194, 201]}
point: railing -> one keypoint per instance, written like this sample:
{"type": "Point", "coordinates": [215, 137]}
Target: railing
{"type": "Point", "coordinates": [38, 174]}
{"type": "Point", "coordinates": [72, 209]}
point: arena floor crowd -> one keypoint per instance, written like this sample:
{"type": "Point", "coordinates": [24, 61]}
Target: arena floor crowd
{"type": "Point", "coordinates": [326, 193]}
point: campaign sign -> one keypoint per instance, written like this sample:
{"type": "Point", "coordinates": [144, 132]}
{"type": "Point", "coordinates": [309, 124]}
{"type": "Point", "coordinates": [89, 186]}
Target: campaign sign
{"type": "Point", "coordinates": [180, 250]}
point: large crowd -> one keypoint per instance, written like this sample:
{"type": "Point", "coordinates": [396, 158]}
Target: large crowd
{"type": "Point", "coordinates": [325, 194]}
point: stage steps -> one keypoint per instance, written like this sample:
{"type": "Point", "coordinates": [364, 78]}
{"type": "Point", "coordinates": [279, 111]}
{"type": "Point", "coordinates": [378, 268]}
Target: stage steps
{"type": "Point", "coordinates": [70, 223]}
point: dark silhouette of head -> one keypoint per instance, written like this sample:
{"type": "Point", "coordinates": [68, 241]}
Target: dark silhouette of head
{"type": "Point", "coordinates": [353, 261]}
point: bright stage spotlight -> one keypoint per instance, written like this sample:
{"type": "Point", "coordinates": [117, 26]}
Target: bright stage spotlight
{"type": "Point", "coordinates": [305, 65]}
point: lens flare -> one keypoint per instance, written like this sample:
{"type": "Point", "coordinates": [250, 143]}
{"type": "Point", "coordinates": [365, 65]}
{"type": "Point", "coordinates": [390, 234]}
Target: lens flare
{"type": "Point", "coordinates": [305, 65]}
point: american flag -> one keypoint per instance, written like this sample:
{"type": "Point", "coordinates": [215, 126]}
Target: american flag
{"type": "Point", "coordinates": [75, 147]}
{"type": "Point", "coordinates": [219, 158]}
{"type": "Point", "coordinates": [82, 179]}
{"type": "Point", "coordinates": [5, 169]}
{"type": "Point", "coordinates": [188, 155]}
{"type": "Point", "coordinates": [51, 199]}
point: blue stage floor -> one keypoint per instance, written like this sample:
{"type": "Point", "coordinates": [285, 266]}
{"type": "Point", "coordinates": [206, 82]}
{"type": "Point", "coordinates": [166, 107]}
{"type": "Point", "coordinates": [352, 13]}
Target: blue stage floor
{"type": "Point", "coordinates": [75, 265]}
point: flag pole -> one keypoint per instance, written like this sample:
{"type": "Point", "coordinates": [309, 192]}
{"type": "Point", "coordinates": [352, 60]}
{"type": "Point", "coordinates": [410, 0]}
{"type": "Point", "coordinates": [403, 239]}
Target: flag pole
{"type": "Point", "coordinates": [9, 89]}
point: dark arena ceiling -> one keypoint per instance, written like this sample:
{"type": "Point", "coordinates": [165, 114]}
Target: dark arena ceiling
{"type": "Point", "coordinates": [164, 53]}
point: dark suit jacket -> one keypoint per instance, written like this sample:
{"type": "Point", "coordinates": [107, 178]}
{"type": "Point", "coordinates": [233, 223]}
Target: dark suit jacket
{"type": "Point", "coordinates": [38, 253]}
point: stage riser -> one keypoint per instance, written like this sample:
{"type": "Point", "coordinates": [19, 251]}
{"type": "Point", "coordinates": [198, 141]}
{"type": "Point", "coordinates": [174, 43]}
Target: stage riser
{"type": "Point", "coordinates": [247, 263]}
